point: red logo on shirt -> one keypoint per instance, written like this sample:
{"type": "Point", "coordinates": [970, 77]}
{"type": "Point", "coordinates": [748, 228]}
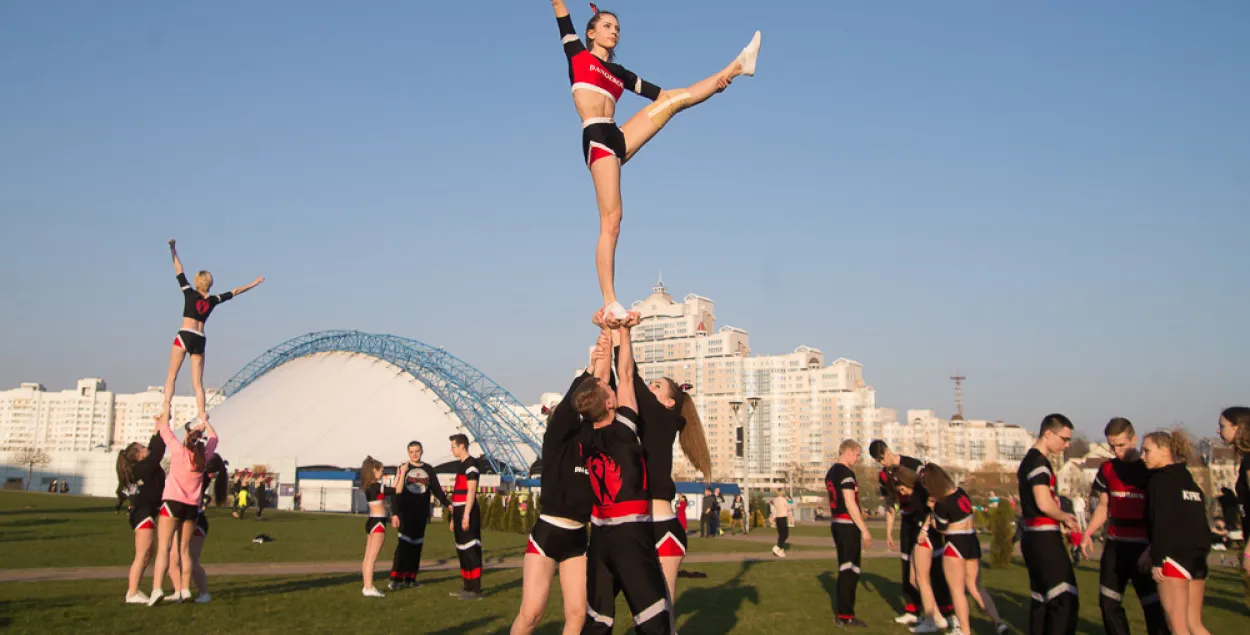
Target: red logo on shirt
{"type": "Point", "coordinates": [605, 478]}
{"type": "Point", "coordinates": [202, 306]}
{"type": "Point", "coordinates": [965, 505]}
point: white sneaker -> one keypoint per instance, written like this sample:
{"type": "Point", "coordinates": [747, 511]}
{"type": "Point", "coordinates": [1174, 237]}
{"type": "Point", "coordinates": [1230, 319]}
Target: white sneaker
{"type": "Point", "coordinates": [204, 598]}
{"type": "Point", "coordinates": [942, 624]}
{"type": "Point", "coordinates": [185, 596]}
{"type": "Point", "coordinates": [777, 551]}
{"type": "Point", "coordinates": [1001, 628]}
{"type": "Point", "coordinates": [156, 596]}
{"type": "Point", "coordinates": [954, 622]}
{"type": "Point", "coordinates": [137, 598]}
{"type": "Point", "coordinates": [749, 55]}
{"type": "Point", "coordinates": [372, 592]}
{"type": "Point", "coordinates": [906, 618]}
{"type": "Point", "coordinates": [617, 311]}
{"type": "Point", "coordinates": [927, 625]}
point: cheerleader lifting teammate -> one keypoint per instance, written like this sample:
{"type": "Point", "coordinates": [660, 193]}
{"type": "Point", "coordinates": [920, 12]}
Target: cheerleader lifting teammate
{"type": "Point", "coordinates": [180, 505]}
{"type": "Point", "coordinates": [598, 83]}
{"type": "Point", "coordinates": [197, 304]}
{"type": "Point", "coordinates": [141, 477]}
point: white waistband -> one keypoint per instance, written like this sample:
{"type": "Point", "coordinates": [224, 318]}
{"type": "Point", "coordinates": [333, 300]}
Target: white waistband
{"type": "Point", "coordinates": [191, 331]}
{"type": "Point", "coordinates": [562, 523]}
{"type": "Point", "coordinates": [664, 519]}
{"type": "Point", "coordinates": [594, 120]}
{"type": "Point", "coordinates": [621, 520]}
{"type": "Point", "coordinates": [961, 532]}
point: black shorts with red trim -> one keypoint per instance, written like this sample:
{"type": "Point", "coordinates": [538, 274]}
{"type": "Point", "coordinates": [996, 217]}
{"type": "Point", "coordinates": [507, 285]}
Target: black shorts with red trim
{"type": "Point", "coordinates": [551, 540]}
{"type": "Point", "coordinates": [670, 537]}
{"type": "Point", "coordinates": [375, 525]}
{"type": "Point", "coordinates": [1188, 567]}
{"type": "Point", "coordinates": [962, 546]}
{"type": "Point", "coordinates": [191, 341]}
{"type": "Point", "coordinates": [179, 511]}
{"type": "Point", "coordinates": [601, 138]}
{"type": "Point", "coordinates": [201, 525]}
{"type": "Point", "coordinates": [142, 518]}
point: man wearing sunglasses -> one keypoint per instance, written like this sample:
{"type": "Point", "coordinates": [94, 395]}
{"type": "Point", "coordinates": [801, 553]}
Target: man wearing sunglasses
{"type": "Point", "coordinates": [1052, 581]}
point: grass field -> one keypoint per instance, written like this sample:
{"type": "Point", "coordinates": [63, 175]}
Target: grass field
{"type": "Point", "coordinates": [760, 597]}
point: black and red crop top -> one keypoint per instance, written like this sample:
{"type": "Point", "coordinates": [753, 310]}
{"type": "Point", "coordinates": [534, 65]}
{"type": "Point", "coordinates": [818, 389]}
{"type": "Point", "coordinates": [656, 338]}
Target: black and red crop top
{"type": "Point", "coordinates": [196, 306]}
{"type": "Point", "coordinates": [587, 72]}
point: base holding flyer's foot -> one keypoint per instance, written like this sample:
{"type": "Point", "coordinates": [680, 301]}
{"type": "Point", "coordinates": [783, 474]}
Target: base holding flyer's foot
{"type": "Point", "coordinates": [616, 310]}
{"type": "Point", "coordinates": [749, 55]}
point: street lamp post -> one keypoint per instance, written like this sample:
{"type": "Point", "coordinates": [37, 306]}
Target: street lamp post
{"type": "Point", "coordinates": [742, 437]}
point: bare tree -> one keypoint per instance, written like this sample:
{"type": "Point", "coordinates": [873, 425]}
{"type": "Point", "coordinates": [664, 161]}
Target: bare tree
{"type": "Point", "coordinates": [1078, 448]}
{"type": "Point", "coordinates": [31, 457]}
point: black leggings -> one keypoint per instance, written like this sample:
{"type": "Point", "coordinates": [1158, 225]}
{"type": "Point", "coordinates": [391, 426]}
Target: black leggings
{"type": "Point", "coordinates": [908, 529]}
{"type": "Point", "coordinates": [783, 532]}
{"type": "Point", "coordinates": [1117, 569]}
{"type": "Point", "coordinates": [847, 539]}
{"type": "Point", "coordinates": [1052, 583]}
{"type": "Point", "coordinates": [407, 562]}
{"type": "Point", "coordinates": [469, 547]}
{"type": "Point", "coordinates": [622, 558]}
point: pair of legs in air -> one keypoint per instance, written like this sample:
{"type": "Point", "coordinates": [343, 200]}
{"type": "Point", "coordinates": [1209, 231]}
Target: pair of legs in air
{"type": "Point", "coordinates": [640, 129]}
{"type": "Point", "coordinates": [177, 355]}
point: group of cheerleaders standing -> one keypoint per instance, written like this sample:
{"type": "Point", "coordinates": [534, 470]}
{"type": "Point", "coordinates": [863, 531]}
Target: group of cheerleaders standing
{"type": "Point", "coordinates": [1158, 535]}
{"type": "Point", "coordinates": [173, 505]}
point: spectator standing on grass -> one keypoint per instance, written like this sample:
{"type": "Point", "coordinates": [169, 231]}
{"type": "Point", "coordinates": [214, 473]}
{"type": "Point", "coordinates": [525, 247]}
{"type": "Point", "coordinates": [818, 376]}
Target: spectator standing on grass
{"type": "Point", "coordinates": [717, 502]}
{"type": "Point", "coordinates": [736, 518]}
{"type": "Point", "coordinates": [682, 504]}
{"type": "Point", "coordinates": [262, 497]}
{"type": "Point", "coordinates": [780, 515]}
{"type": "Point", "coordinates": [1078, 510]}
{"type": "Point", "coordinates": [705, 519]}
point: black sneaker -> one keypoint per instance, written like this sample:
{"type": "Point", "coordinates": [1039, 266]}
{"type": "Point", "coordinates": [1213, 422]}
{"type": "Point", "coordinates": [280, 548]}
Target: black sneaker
{"type": "Point", "coordinates": [853, 622]}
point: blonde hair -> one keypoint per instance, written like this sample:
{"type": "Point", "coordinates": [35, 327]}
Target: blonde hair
{"type": "Point", "coordinates": [849, 444]}
{"type": "Point", "coordinates": [1176, 441]}
{"type": "Point", "coordinates": [203, 281]}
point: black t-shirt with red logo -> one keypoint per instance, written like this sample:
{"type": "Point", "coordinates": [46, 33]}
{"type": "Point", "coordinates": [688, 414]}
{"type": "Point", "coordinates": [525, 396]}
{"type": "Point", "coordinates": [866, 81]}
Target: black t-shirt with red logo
{"type": "Point", "coordinates": [1125, 483]}
{"type": "Point", "coordinates": [840, 483]}
{"type": "Point", "coordinates": [618, 472]}
{"type": "Point", "coordinates": [566, 488]}
{"type": "Point", "coordinates": [1035, 469]}
{"type": "Point", "coordinates": [413, 495]}
{"type": "Point", "coordinates": [196, 306]}
{"type": "Point", "coordinates": [952, 509]}
{"type": "Point", "coordinates": [467, 476]}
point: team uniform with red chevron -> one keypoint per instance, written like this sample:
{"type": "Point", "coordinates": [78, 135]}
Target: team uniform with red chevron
{"type": "Point", "coordinates": [622, 555]}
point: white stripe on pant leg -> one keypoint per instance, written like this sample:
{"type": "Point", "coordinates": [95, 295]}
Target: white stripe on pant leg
{"type": "Point", "coordinates": [660, 606]}
{"type": "Point", "coordinates": [849, 565]}
{"type": "Point", "coordinates": [602, 619]}
{"type": "Point", "coordinates": [411, 540]}
{"type": "Point", "coordinates": [470, 544]}
{"type": "Point", "coordinates": [1111, 594]}
{"type": "Point", "coordinates": [905, 557]}
{"type": "Point", "coordinates": [1037, 597]}
{"type": "Point", "coordinates": [1060, 589]}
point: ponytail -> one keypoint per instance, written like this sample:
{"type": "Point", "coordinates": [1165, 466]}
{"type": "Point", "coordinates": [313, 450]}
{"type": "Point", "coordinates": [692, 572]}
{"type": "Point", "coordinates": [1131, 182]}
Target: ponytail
{"type": "Point", "coordinates": [196, 449]}
{"type": "Point", "coordinates": [692, 439]}
{"type": "Point", "coordinates": [1177, 442]}
{"type": "Point", "coordinates": [126, 460]}
{"type": "Point", "coordinates": [221, 479]}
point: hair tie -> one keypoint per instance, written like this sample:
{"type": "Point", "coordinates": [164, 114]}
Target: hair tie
{"type": "Point", "coordinates": [594, 8]}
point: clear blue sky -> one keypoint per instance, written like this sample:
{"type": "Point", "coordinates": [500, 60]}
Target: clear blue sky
{"type": "Point", "coordinates": [1054, 200]}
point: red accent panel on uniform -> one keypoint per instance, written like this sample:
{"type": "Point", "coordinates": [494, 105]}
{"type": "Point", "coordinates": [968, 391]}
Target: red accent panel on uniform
{"type": "Point", "coordinates": [471, 574]}
{"type": "Point", "coordinates": [623, 508]}
{"type": "Point", "coordinates": [670, 548]}
{"type": "Point", "coordinates": [1125, 484]}
{"type": "Point", "coordinates": [588, 69]}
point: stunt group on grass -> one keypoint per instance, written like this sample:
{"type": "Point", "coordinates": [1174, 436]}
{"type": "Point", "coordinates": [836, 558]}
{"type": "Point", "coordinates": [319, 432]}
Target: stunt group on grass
{"type": "Point", "coordinates": [607, 499]}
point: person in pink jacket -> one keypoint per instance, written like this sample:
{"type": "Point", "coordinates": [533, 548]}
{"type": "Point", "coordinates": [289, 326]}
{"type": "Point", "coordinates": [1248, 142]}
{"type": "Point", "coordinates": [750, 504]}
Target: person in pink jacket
{"type": "Point", "coordinates": [180, 503]}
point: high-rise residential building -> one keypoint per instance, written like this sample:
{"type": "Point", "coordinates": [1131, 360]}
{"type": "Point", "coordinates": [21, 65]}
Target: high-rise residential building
{"type": "Point", "coordinates": [794, 408]}
{"type": "Point", "coordinates": [83, 419]}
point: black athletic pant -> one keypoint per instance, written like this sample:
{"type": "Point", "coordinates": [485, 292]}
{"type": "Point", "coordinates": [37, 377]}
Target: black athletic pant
{"type": "Point", "coordinates": [908, 530]}
{"type": "Point", "coordinates": [783, 532]}
{"type": "Point", "coordinates": [846, 538]}
{"type": "Point", "coordinates": [121, 500]}
{"type": "Point", "coordinates": [1117, 569]}
{"type": "Point", "coordinates": [407, 562]}
{"type": "Point", "coordinates": [622, 558]}
{"type": "Point", "coordinates": [469, 547]}
{"type": "Point", "coordinates": [1052, 583]}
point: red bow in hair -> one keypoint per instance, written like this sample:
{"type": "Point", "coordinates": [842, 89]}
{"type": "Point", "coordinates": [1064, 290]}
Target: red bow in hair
{"type": "Point", "coordinates": [594, 8]}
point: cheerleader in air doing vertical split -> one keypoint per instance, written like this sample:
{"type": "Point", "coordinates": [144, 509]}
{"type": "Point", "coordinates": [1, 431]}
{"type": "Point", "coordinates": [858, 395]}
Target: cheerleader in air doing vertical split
{"type": "Point", "coordinates": [598, 83]}
{"type": "Point", "coordinates": [190, 340]}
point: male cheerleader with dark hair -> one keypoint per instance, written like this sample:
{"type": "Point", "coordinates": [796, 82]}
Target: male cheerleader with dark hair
{"type": "Point", "coordinates": [1052, 582]}
{"type": "Point", "coordinates": [466, 520]}
{"type": "Point", "coordinates": [415, 483]}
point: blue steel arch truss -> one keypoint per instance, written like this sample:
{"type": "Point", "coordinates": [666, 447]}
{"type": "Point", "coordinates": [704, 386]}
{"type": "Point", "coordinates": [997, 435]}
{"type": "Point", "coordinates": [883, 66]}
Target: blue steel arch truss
{"type": "Point", "coordinates": [494, 418]}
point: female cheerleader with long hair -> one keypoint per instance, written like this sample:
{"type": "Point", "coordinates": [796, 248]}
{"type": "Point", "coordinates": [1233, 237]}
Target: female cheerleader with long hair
{"type": "Point", "coordinates": [141, 477]}
{"type": "Point", "coordinates": [197, 304]}
{"type": "Point", "coordinates": [1235, 431]}
{"type": "Point", "coordinates": [180, 505]}
{"type": "Point", "coordinates": [559, 538]}
{"type": "Point", "coordinates": [375, 524]}
{"type": "Point", "coordinates": [905, 482]}
{"type": "Point", "coordinates": [216, 471]}
{"type": "Point", "coordinates": [952, 513]}
{"type": "Point", "coordinates": [597, 84]}
{"type": "Point", "coordinates": [1177, 527]}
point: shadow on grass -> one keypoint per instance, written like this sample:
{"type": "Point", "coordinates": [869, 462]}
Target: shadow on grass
{"type": "Point", "coordinates": [715, 609]}
{"type": "Point", "coordinates": [280, 586]}
{"type": "Point", "coordinates": [35, 522]}
{"type": "Point", "coordinates": [53, 512]}
{"type": "Point", "coordinates": [28, 536]}
{"type": "Point", "coordinates": [502, 588]}
{"type": "Point", "coordinates": [1014, 609]}
{"type": "Point", "coordinates": [480, 622]}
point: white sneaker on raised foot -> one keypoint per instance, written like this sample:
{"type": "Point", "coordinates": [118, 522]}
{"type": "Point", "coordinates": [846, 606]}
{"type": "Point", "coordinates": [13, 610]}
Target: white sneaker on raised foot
{"type": "Point", "coordinates": [906, 618]}
{"type": "Point", "coordinates": [155, 597]}
{"type": "Point", "coordinates": [749, 56]}
{"type": "Point", "coordinates": [372, 592]}
{"type": "Point", "coordinates": [137, 598]}
{"type": "Point", "coordinates": [204, 598]}
{"type": "Point", "coordinates": [617, 311]}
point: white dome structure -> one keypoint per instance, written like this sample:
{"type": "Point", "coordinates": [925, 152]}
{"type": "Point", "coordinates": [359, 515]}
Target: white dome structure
{"type": "Point", "coordinates": [335, 397]}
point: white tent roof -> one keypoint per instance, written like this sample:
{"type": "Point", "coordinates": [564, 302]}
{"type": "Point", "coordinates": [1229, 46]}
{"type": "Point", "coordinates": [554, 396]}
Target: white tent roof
{"type": "Point", "coordinates": [335, 409]}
